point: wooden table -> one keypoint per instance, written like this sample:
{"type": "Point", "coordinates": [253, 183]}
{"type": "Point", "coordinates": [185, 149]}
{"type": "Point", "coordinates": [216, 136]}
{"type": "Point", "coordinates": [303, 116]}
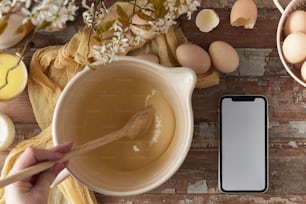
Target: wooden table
{"type": "Point", "coordinates": [260, 72]}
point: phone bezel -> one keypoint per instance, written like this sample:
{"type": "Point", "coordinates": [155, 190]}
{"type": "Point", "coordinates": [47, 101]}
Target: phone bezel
{"type": "Point", "coordinates": [243, 98]}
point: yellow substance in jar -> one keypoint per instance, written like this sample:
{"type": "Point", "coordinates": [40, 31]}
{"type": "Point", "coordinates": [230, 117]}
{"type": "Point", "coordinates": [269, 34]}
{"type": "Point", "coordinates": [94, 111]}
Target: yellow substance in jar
{"type": "Point", "coordinates": [112, 103]}
{"type": "Point", "coordinates": [17, 78]}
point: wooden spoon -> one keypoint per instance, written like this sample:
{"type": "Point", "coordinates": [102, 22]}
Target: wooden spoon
{"type": "Point", "coordinates": [136, 125]}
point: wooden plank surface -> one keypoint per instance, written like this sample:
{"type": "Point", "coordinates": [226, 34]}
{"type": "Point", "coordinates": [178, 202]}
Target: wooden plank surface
{"type": "Point", "coordinates": [260, 72]}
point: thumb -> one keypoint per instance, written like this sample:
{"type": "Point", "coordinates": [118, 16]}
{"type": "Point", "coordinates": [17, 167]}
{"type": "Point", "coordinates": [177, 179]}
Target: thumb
{"type": "Point", "coordinates": [45, 179]}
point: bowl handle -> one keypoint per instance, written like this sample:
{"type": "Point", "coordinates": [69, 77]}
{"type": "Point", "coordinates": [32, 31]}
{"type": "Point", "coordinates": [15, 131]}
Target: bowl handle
{"type": "Point", "coordinates": [60, 177]}
{"type": "Point", "coordinates": [279, 6]}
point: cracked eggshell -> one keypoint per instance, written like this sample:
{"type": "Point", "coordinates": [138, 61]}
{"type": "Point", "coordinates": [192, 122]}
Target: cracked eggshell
{"type": "Point", "coordinates": [224, 57]}
{"type": "Point", "coordinates": [294, 47]}
{"type": "Point", "coordinates": [135, 27]}
{"type": "Point", "coordinates": [10, 37]}
{"type": "Point", "coordinates": [296, 22]}
{"type": "Point", "coordinates": [206, 20]}
{"type": "Point", "coordinates": [194, 57]}
{"type": "Point", "coordinates": [244, 13]}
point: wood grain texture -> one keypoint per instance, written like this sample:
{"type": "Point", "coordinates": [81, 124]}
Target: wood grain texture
{"type": "Point", "coordinates": [200, 199]}
{"type": "Point", "coordinates": [262, 36]}
{"type": "Point", "coordinates": [260, 72]}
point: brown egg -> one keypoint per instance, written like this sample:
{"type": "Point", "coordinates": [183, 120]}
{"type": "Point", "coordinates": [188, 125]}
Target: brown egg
{"type": "Point", "coordinates": [244, 13]}
{"type": "Point", "coordinates": [296, 22]}
{"type": "Point", "coordinates": [294, 47]}
{"type": "Point", "coordinates": [194, 57]}
{"type": "Point", "coordinates": [224, 57]}
{"type": "Point", "coordinates": [303, 71]}
{"type": "Point", "coordinates": [149, 57]}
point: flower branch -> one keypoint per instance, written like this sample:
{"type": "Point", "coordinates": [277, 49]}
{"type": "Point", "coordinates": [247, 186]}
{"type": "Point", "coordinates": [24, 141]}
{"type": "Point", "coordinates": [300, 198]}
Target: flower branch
{"type": "Point", "coordinates": [108, 37]}
{"type": "Point", "coordinates": [114, 37]}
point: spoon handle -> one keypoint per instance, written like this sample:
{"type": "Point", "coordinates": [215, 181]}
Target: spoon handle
{"type": "Point", "coordinates": [27, 172]}
{"type": "Point", "coordinates": [93, 144]}
{"type": "Point", "coordinates": [37, 168]}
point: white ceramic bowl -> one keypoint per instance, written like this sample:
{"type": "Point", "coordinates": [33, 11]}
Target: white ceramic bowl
{"type": "Point", "coordinates": [175, 84]}
{"type": "Point", "coordinates": [292, 6]}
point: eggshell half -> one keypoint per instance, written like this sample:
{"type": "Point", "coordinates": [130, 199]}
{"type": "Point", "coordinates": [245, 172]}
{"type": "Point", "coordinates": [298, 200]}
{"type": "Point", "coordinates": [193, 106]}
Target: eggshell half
{"type": "Point", "coordinates": [135, 27]}
{"type": "Point", "coordinates": [10, 37]}
{"type": "Point", "coordinates": [296, 22]}
{"type": "Point", "coordinates": [207, 20]}
{"type": "Point", "coordinates": [294, 47]}
{"type": "Point", "coordinates": [244, 13]}
{"type": "Point", "coordinates": [224, 57]}
{"type": "Point", "coordinates": [194, 57]}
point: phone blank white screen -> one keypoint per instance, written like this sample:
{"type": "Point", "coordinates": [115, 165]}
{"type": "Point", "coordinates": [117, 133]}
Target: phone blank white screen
{"type": "Point", "coordinates": [243, 145]}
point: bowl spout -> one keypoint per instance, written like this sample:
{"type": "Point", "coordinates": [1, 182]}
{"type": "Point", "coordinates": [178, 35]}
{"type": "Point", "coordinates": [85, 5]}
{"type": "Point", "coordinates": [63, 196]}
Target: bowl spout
{"type": "Point", "coordinates": [183, 80]}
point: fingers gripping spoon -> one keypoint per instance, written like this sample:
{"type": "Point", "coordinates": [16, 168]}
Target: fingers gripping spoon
{"type": "Point", "coordinates": [136, 125]}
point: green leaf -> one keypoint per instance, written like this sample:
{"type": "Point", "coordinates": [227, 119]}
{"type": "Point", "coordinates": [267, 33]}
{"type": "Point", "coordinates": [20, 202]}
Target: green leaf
{"type": "Point", "coordinates": [24, 28]}
{"type": "Point", "coordinates": [3, 26]}
{"type": "Point", "coordinates": [124, 21]}
{"type": "Point", "coordinates": [45, 25]}
{"type": "Point", "coordinates": [145, 27]}
{"type": "Point", "coordinates": [144, 16]}
{"type": "Point", "coordinates": [20, 29]}
{"type": "Point", "coordinates": [98, 39]}
{"type": "Point", "coordinates": [93, 67]}
{"type": "Point", "coordinates": [106, 26]}
{"type": "Point", "coordinates": [158, 4]}
{"type": "Point", "coordinates": [123, 16]}
{"type": "Point", "coordinates": [159, 7]}
{"type": "Point", "coordinates": [121, 12]}
{"type": "Point", "coordinates": [161, 12]}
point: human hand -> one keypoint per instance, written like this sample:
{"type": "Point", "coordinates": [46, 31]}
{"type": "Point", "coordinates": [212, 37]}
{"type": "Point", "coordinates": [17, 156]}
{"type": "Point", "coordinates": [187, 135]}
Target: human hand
{"type": "Point", "coordinates": [35, 189]}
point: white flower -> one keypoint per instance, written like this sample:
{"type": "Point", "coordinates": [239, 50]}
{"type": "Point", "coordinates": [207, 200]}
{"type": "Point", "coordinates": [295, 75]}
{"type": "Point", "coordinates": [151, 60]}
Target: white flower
{"type": "Point", "coordinates": [88, 17]}
{"type": "Point", "coordinates": [5, 7]}
{"type": "Point", "coordinates": [103, 53]}
{"type": "Point", "coordinates": [117, 26]}
{"type": "Point", "coordinates": [162, 25]}
{"type": "Point", "coordinates": [71, 10]}
{"type": "Point", "coordinates": [27, 3]}
{"type": "Point", "coordinates": [122, 39]}
{"type": "Point", "coordinates": [170, 5]}
{"type": "Point", "coordinates": [30, 16]}
{"type": "Point", "coordinates": [189, 7]}
{"type": "Point", "coordinates": [119, 43]}
{"type": "Point", "coordinates": [138, 40]}
{"type": "Point", "coordinates": [54, 12]}
{"type": "Point", "coordinates": [92, 14]}
{"type": "Point", "coordinates": [60, 18]}
{"type": "Point", "coordinates": [84, 5]}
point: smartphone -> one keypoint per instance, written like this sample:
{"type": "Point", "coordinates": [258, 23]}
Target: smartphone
{"type": "Point", "coordinates": [243, 150]}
